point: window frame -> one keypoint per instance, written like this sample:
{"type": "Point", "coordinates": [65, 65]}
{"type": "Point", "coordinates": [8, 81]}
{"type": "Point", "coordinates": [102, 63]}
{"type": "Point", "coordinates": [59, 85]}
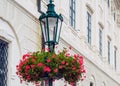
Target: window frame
{"type": "Point", "coordinates": [115, 58]}
{"type": "Point", "coordinates": [72, 15]}
{"type": "Point", "coordinates": [100, 41]}
{"type": "Point", "coordinates": [108, 3]}
{"type": "Point", "coordinates": [108, 43]}
{"type": "Point", "coordinates": [89, 27]}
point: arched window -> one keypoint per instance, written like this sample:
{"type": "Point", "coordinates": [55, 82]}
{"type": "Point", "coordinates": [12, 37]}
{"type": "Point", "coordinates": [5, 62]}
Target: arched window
{"type": "Point", "coordinates": [91, 83]}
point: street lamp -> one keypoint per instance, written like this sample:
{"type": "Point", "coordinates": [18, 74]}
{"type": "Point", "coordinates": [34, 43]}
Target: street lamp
{"type": "Point", "coordinates": [51, 24]}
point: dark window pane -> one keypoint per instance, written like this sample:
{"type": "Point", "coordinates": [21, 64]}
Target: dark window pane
{"type": "Point", "coordinates": [89, 27]}
{"type": "Point", "coordinates": [100, 42]}
{"type": "Point", "coordinates": [115, 52]}
{"type": "Point", "coordinates": [91, 84]}
{"type": "Point", "coordinates": [3, 62]}
{"type": "Point", "coordinates": [72, 13]}
{"type": "Point", "coordinates": [109, 52]}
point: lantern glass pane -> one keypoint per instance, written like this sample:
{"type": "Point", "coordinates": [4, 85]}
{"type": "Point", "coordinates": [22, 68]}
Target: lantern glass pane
{"type": "Point", "coordinates": [44, 29]}
{"type": "Point", "coordinates": [58, 30]}
{"type": "Point", "coordinates": [52, 27]}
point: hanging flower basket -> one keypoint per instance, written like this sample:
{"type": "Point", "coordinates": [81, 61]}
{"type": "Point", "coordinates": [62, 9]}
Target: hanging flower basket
{"type": "Point", "coordinates": [38, 66]}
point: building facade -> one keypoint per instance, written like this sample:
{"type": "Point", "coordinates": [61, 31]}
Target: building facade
{"type": "Point", "coordinates": [91, 27]}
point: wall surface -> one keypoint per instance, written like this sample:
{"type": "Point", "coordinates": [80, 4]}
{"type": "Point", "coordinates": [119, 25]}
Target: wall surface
{"type": "Point", "coordinates": [21, 30]}
{"type": "Point", "coordinates": [19, 26]}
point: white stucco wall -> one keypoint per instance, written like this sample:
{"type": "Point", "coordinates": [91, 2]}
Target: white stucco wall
{"type": "Point", "coordinates": [19, 26]}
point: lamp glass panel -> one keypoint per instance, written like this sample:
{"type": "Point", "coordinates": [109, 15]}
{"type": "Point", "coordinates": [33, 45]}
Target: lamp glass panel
{"type": "Point", "coordinates": [52, 27]}
{"type": "Point", "coordinates": [58, 30]}
{"type": "Point", "coordinates": [44, 29]}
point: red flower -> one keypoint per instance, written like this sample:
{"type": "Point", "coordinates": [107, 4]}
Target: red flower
{"type": "Point", "coordinates": [28, 77]}
{"type": "Point", "coordinates": [81, 61]}
{"type": "Point", "coordinates": [75, 56]}
{"type": "Point", "coordinates": [17, 67]}
{"type": "Point", "coordinates": [27, 67]}
{"type": "Point", "coordinates": [17, 73]}
{"type": "Point", "coordinates": [25, 55]}
{"type": "Point", "coordinates": [39, 64]}
{"type": "Point", "coordinates": [46, 69]}
{"type": "Point", "coordinates": [80, 57]}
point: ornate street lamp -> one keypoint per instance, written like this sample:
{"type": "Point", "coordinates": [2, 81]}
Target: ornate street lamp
{"type": "Point", "coordinates": [51, 24]}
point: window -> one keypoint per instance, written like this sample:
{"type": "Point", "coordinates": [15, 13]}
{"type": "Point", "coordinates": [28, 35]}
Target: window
{"type": "Point", "coordinates": [100, 42]}
{"type": "Point", "coordinates": [115, 55]}
{"type": "Point", "coordinates": [114, 16]}
{"type": "Point", "coordinates": [40, 7]}
{"type": "Point", "coordinates": [91, 84]}
{"type": "Point", "coordinates": [108, 2]}
{"type": "Point", "coordinates": [109, 52]}
{"type": "Point", "coordinates": [72, 13]}
{"type": "Point", "coordinates": [3, 62]}
{"type": "Point", "coordinates": [88, 27]}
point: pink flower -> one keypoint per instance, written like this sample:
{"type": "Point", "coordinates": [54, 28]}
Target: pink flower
{"type": "Point", "coordinates": [55, 70]}
{"type": "Point", "coordinates": [80, 57]}
{"type": "Point", "coordinates": [75, 56]}
{"type": "Point", "coordinates": [46, 69]}
{"type": "Point", "coordinates": [67, 54]}
{"type": "Point", "coordinates": [28, 77]}
{"type": "Point", "coordinates": [72, 83]}
{"type": "Point", "coordinates": [17, 67]}
{"type": "Point", "coordinates": [27, 67]}
{"type": "Point", "coordinates": [48, 60]}
{"type": "Point", "coordinates": [66, 63]}
{"type": "Point", "coordinates": [39, 64]}
{"type": "Point", "coordinates": [80, 61]}
{"type": "Point", "coordinates": [17, 73]}
{"type": "Point", "coordinates": [25, 55]}
{"type": "Point", "coordinates": [63, 62]}
{"type": "Point", "coordinates": [60, 67]}
{"type": "Point", "coordinates": [32, 66]}
{"type": "Point", "coordinates": [82, 70]}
